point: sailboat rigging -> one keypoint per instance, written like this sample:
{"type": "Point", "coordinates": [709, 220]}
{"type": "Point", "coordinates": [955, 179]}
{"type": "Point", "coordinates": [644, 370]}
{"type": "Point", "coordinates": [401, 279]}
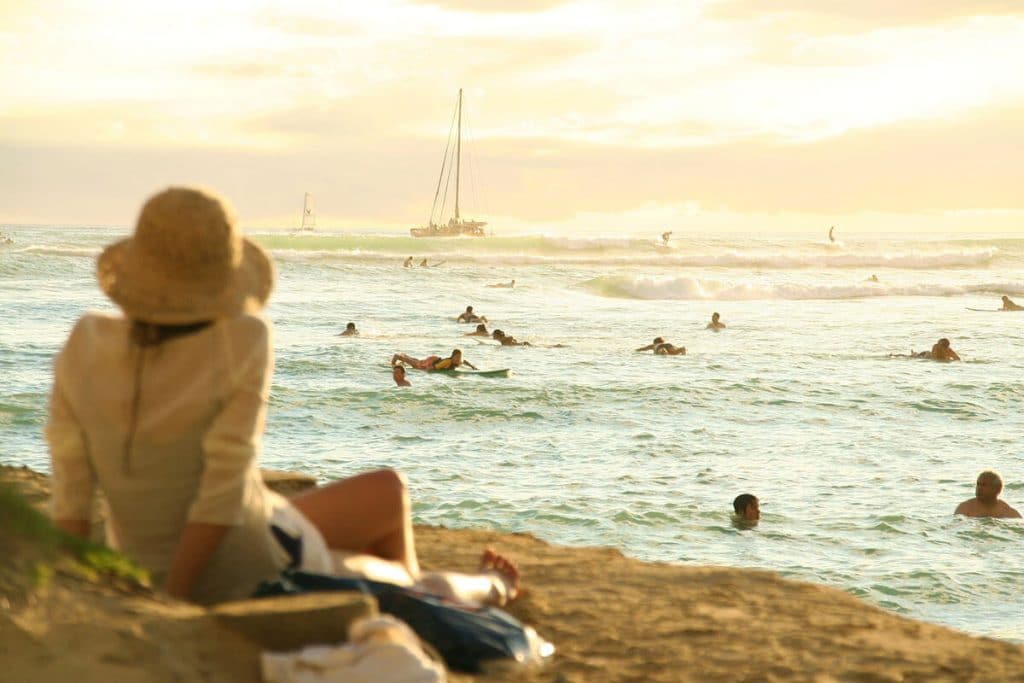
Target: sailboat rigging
{"type": "Point", "coordinates": [456, 225]}
{"type": "Point", "coordinates": [308, 214]}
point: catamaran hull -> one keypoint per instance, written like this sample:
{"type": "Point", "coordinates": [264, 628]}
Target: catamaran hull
{"type": "Point", "coordinates": [466, 229]}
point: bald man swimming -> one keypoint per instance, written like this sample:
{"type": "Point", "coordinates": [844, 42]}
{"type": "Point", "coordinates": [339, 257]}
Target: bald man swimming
{"type": "Point", "coordinates": [986, 501]}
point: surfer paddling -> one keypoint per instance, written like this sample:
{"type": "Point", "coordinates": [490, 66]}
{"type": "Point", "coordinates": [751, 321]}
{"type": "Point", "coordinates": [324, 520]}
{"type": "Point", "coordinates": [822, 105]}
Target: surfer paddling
{"type": "Point", "coordinates": [941, 350]}
{"type": "Point", "coordinates": [508, 340]}
{"type": "Point", "coordinates": [503, 285]}
{"type": "Point", "coordinates": [350, 331]}
{"type": "Point", "coordinates": [663, 348]}
{"type": "Point", "coordinates": [433, 363]}
{"type": "Point", "coordinates": [481, 331]}
{"type": "Point", "coordinates": [1009, 305]}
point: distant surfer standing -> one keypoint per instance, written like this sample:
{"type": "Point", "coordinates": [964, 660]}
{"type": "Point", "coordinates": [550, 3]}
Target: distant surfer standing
{"type": "Point", "coordinates": [408, 263]}
{"type": "Point", "coordinates": [665, 237]}
{"type": "Point", "coordinates": [831, 238]}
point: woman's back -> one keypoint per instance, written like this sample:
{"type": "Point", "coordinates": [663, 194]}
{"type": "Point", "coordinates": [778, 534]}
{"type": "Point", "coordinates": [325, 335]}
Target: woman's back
{"type": "Point", "coordinates": [172, 431]}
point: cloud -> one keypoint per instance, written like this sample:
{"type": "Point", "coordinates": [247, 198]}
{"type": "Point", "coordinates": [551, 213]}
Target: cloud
{"type": "Point", "coordinates": [918, 168]}
{"type": "Point", "coordinates": [864, 14]}
{"type": "Point", "coordinates": [506, 6]}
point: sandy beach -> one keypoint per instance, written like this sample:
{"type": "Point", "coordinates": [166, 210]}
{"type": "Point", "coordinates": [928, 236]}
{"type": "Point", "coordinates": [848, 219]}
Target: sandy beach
{"type": "Point", "coordinates": [611, 618]}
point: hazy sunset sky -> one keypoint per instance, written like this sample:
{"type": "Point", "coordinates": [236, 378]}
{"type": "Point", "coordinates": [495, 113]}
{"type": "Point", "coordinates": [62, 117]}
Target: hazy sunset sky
{"type": "Point", "coordinates": [699, 117]}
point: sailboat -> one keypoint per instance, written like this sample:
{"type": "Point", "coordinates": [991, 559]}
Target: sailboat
{"type": "Point", "coordinates": [308, 215]}
{"type": "Point", "coordinates": [456, 225]}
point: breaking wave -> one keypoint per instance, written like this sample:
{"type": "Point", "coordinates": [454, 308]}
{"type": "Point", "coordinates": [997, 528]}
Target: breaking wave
{"type": "Point", "coordinates": [700, 289]}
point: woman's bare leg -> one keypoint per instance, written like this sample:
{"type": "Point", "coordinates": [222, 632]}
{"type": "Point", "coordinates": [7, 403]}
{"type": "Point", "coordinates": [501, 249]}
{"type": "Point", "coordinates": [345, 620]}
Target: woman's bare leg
{"type": "Point", "coordinates": [408, 360]}
{"type": "Point", "coordinates": [368, 513]}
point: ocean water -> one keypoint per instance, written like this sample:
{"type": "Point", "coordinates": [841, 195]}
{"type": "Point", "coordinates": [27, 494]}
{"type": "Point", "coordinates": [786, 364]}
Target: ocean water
{"type": "Point", "coordinates": [858, 458]}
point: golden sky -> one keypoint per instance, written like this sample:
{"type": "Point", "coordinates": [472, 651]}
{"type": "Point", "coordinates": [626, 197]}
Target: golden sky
{"type": "Point", "coordinates": [587, 116]}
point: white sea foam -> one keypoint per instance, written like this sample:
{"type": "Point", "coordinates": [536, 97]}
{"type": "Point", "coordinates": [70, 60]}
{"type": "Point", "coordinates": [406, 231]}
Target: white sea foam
{"type": "Point", "coordinates": [705, 289]}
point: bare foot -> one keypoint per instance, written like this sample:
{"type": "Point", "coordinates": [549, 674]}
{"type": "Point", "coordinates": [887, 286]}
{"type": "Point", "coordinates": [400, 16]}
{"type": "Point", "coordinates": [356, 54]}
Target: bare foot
{"type": "Point", "coordinates": [394, 360]}
{"type": "Point", "coordinates": [505, 569]}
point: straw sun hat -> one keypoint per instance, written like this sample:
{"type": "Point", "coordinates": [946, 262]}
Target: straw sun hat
{"type": "Point", "coordinates": [187, 262]}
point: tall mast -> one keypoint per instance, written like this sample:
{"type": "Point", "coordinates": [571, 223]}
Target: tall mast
{"type": "Point", "coordinates": [458, 158]}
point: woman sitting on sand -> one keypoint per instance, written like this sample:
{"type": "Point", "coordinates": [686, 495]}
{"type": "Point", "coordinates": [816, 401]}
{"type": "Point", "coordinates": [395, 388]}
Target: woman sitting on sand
{"type": "Point", "coordinates": [163, 408]}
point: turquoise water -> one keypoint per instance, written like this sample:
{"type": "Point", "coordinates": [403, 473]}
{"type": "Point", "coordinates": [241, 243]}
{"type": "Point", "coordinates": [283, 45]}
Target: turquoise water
{"type": "Point", "coordinates": [859, 458]}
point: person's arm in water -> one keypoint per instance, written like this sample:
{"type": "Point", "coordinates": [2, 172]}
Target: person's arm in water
{"type": "Point", "coordinates": [953, 355]}
{"type": "Point", "coordinates": [468, 364]}
{"type": "Point", "coordinates": [646, 348]}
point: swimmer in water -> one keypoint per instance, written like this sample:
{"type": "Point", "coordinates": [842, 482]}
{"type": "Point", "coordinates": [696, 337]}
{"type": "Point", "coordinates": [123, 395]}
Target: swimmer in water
{"type": "Point", "coordinates": [398, 374]}
{"type": "Point", "coordinates": [941, 351]}
{"type": "Point", "coordinates": [350, 331]}
{"type": "Point", "coordinates": [715, 323]}
{"type": "Point", "coordinates": [468, 316]}
{"type": "Point", "coordinates": [986, 501]}
{"type": "Point", "coordinates": [481, 331]}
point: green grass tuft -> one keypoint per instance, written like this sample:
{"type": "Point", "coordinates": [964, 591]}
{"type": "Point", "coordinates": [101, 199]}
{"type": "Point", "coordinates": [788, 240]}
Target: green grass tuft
{"type": "Point", "coordinates": [19, 518]}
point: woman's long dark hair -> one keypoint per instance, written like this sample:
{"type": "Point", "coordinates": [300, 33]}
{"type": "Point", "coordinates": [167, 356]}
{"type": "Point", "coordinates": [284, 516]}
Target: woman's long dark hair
{"type": "Point", "coordinates": [151, 334]}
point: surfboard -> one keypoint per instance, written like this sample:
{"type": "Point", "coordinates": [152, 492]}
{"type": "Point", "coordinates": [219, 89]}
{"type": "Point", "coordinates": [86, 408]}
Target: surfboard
{"type": "Point", "coordinates": [503, 372]}
{"type": "Point", "coordinates": [992, 310]}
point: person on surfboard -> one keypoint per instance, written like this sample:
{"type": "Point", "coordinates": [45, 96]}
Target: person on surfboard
{"type": "Point", "coordinates": [481, 331]}
{"type": "Point", "coordinates": [941, 350]}
{"type": "Point", "coordinates": [433, 363]}
{"type": "Point", "coordinates": [508, 340]}
{"type": "Point", "coordinates": [663, 348]}
{"type": "Point", "coordinates": [830, 231]}
{"type": "Point", "coordinates": [1009, 305]}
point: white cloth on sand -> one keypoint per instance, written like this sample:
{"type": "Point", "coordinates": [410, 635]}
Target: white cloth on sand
{"type": "Point", "coordinates": [380, 650]}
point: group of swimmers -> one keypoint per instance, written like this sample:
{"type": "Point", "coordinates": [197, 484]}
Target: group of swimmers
{"type": "Point", "coordinates": [986, 503]}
